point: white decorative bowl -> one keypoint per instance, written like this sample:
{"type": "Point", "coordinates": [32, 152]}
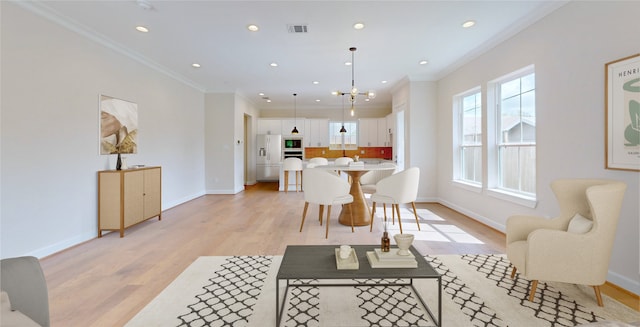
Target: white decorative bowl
{"type": "Point", "coordinates": [404, 243]}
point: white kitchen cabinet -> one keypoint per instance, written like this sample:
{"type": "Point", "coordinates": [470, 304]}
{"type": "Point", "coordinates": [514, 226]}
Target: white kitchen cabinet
{"type": "Point", "coordinates": [383, 132]}
{"type": "Point", "coordinates": [368, 132]}
{"type": "Point", "coordinates": [269, 126]}
{"type": "Point", "coordinates": [317, 133]}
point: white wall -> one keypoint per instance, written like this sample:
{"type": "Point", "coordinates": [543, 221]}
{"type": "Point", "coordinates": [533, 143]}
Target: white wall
{"type": "Point", "coordinates": [51, 81]}
{"type": "Point", "coordinates": [569, 49]}
{"type": "Point", "coordinates": [225, 142]}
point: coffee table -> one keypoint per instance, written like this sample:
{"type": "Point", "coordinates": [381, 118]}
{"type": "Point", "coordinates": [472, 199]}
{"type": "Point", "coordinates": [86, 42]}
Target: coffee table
{"type": "Point", "coordinates": [319, 262]}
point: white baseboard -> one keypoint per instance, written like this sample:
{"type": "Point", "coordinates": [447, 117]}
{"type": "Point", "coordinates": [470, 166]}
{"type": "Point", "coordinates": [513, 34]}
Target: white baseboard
{"type": "Point", "coordinates": [63, 245]}
{"type": "Point", "coordinates": [167, 206]}
{"type": "Point", "coordinates": [474, 215]}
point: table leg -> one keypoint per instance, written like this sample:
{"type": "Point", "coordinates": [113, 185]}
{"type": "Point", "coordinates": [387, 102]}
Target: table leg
{"type": "Point", "coordinates": [359, 206]}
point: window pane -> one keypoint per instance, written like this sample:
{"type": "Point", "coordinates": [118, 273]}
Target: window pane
{"type": "Point", "coordinates": [472, 119]}
{"type": "Point", "coordinates": [510, 88]}
{"type": "Point", "coordinates": [337, 139]}
{"type": "Point", "coordinates": [472, 164]}
{"type": "Point", "coordinates": [518, 168]}
{"type": "Point", "coordinates": [509, 168]}
{"type": "Point", "coordinates": [528, 83]}
{"type": "Point", "coordinates": [528, 169]}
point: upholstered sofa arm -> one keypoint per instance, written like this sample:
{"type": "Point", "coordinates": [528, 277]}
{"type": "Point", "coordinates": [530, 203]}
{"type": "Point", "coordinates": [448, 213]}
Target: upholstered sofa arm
{"type": "Point", "coordinates": [562, 256]}
{"type": "Point", "coordinates": [519, 226]}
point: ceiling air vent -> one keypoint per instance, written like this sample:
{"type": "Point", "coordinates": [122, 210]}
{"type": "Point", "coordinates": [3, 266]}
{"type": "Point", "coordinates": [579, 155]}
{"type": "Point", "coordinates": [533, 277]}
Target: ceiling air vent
{"type": "Point", "coordinates": [297, 28]}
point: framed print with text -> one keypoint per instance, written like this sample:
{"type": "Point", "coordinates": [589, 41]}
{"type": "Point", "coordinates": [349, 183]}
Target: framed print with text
{"type": "Point", "coordinates": [622, 117]}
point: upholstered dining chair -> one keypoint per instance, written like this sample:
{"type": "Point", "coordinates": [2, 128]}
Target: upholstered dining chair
{"type": "Point", "coordinates": [23, 280]}
{"type": "Point", "coordinates": [574, 247]}
{"type": "Point", "coordinates": [318, 161]}
{"type": "Point", "coordinates": [343, 161]}
{"type": "Point", "coordinates": [292, 165]}
{"type": "Point", "coordinates": [324, 188]}
{"type": "Point", "coordinates": [399, 188]}
{"type": "Point", "coordinates": [369, 180]}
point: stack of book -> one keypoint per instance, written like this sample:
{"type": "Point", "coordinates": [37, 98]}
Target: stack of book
{"type": "Point", "coordinates": [391, 259]}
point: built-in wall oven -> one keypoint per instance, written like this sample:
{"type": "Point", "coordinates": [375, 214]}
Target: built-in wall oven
{"type": "Point", "coordinates": [292, 148]}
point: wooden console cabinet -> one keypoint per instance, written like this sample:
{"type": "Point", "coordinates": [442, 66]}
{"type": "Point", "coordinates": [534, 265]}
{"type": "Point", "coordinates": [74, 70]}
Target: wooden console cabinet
{"type": "Point", "coordinates": [127, 197]}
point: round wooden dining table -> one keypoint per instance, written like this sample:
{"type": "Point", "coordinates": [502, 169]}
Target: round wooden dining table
{"type": "Point", "coordinates": [359, 206]}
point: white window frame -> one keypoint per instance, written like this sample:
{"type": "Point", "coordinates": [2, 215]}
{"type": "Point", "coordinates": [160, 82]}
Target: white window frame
{"type": "Point", "coordinates": [460, 144]}
{"type": "Point", "coordinates": [496, 146]}
{"type": "Point", "coordinates": [334, 135]}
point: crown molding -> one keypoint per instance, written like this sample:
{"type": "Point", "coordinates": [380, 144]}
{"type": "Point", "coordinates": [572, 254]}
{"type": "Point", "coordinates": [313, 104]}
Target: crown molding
{"type": "Point", "coordinates": [39, 8]}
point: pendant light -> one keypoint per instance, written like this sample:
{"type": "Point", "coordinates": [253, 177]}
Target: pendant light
{"type": "Point", "coordinates": [294, 130]}
{"type": "Point", "coordinates": [343, 130]}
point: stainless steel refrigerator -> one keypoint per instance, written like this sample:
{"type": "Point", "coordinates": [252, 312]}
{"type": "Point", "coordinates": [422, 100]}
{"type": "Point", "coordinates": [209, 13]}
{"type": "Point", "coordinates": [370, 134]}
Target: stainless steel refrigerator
{"type": "Point", "coordinates": [269, 157]}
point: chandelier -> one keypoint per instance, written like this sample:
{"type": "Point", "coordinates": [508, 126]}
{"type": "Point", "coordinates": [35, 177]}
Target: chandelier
{"type": "Point", "coordinates": [353, 93]}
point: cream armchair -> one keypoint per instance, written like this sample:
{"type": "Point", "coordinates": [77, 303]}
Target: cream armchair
{"type": "Point", "coordinates": [574, 247]}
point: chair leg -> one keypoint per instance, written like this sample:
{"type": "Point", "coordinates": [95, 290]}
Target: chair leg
{"type": "Point", "coordinates": [373, 211]}
{"type": "Point", "coordinates": [399, 220]}
{"type": "Point", "coordinates": [532, 293]}
{"type": "Point", "coordinates": [320, 212]}
{"type": "Point", "coordinates": [304, 214]}
{"type": "Point", "coordinates": [286, 181]}
{"type": "Point", "coordinates": [513, 272]}
{"type": "Point", "coordinates": [328, 216]}
{"type": "Point", "coordinates": [598, 295]}
{"type": "Point", "coordinates": [364, 200]}
{"type": "Point", "coordinates": [384, 208]}
{"type": "Point", "coordinates": [296, 181]}
{"type": "Point", "coordinates": [393, 215]}
{"type": "Point", "coordinates": [415, 213]}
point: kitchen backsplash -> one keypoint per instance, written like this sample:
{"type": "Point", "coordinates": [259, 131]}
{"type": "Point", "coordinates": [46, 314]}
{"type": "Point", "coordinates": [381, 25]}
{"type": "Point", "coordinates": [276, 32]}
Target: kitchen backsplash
{"type": "Point", "coordinates": [363, 152]}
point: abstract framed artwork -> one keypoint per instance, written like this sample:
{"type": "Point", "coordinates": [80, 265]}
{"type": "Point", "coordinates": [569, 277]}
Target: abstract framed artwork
{"type": "Point", "coordinates": [118, 126]}
{"type": "Point", "coordinates": [622, 114]}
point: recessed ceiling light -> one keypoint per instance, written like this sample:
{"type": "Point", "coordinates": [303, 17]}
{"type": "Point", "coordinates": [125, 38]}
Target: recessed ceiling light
{"type": "Point", "coordinates": [273, 64]}
{"type": "Point", "coordinates": [358, 26]}
{"type": "Point", "coordinates": [268, 100]}
{"type": "Point", "coordinates": [142, 29]}
{"type": "Point", "coordinates": [348, 63]}
{"type": "Point", "coordinates": [196, 65]}
{"type": "Point", "coordinates": [384, 82]}
{"type": "Point", "coordinates": [253, 27]}
{"type": "Point", "coordinates": [316, 82]}
{"type": "Point", "coordinates": [334, 93]}
{"type": "Point", "coordinates": [423, 62]}
{"type": "Point", "coordinates": [260, 94]}
{"type": "Point", "coordinates": [317, 100]}
{"type": "Point", "coordinates": [468, 23]}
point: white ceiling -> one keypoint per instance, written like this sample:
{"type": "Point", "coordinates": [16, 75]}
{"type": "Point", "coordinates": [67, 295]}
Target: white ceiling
{"type": "Point", "coordinates": [397, 35]}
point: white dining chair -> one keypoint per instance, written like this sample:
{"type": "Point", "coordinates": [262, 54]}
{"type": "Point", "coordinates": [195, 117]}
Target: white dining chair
{"type": "Point", "coordinates": [319, 161]}
{"type": "Point", "coordinates": [399, 188]}
{"type": "Point", "coordinates": [292, 165]}
{"type": "Point", "coordinates": [343, 161]}
{"type": "Point", "coordinates": [369, 180]}
{"type": "Point", "coordinates": [324, 188]}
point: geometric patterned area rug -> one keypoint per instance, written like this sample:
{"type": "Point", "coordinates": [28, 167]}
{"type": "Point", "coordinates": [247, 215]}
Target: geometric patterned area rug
{"type": "Point", "coordinates": [477, 291]}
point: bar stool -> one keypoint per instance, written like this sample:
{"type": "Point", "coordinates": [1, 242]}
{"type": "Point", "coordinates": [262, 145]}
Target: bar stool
{"type": "Point", "coordinates": [292, 164]}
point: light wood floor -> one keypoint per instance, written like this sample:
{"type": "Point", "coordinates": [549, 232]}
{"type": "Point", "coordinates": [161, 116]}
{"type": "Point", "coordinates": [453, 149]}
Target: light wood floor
{"type": "Point", "coordinates": [106, 281]}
